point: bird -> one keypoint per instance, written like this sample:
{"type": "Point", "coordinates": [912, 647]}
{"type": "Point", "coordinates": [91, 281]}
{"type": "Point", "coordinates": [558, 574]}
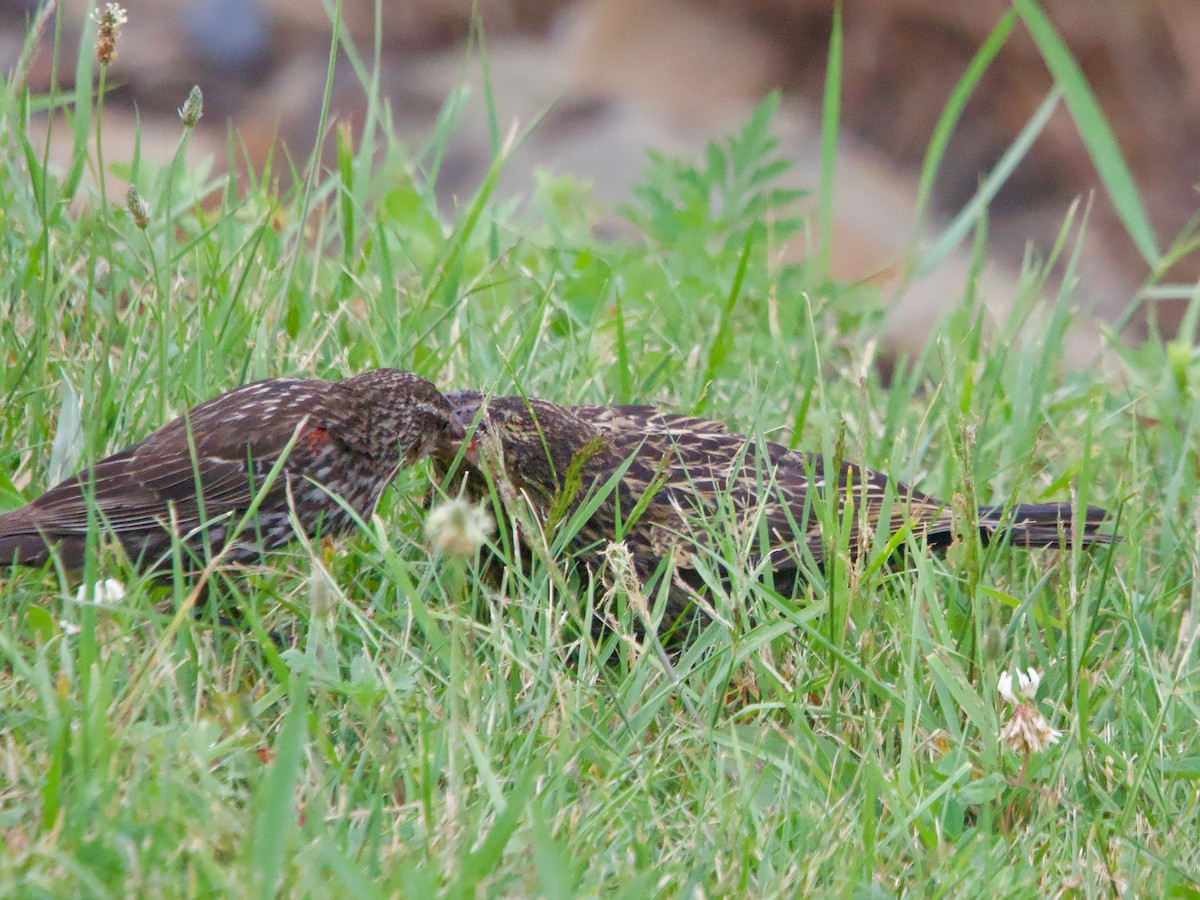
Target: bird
{"type": "Point", "coordinates": [673, 487]}
{"type": "Point", "coordinates": [194, 480]}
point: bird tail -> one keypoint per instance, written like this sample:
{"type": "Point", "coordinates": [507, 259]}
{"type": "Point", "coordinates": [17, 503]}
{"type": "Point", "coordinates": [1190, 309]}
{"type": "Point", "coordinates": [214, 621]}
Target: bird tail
{"type": "Point", "coordinates": [1044, 525]}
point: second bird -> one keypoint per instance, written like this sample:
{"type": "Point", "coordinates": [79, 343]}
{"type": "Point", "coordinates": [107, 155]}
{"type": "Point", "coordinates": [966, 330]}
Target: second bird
{"type": "Point", "coordinates": [674, 486]}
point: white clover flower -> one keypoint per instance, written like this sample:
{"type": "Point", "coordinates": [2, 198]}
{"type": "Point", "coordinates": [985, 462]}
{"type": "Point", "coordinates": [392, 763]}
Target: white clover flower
{"type": "Point", "coordinates": [1027, 731]}
{"type": "Point", "coordinates": [102, 593]}
{"type": "Point", "coordinates": [458, 527]}
{"type": "Point", "coordinates": [1027, 685]}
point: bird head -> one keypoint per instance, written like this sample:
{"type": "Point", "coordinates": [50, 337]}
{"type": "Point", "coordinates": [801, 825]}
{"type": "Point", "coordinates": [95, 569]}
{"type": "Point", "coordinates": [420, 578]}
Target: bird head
{"type": "Point", "coordinates": [537, 440]}
{"type": "Point", "coordinates": [402, 411]}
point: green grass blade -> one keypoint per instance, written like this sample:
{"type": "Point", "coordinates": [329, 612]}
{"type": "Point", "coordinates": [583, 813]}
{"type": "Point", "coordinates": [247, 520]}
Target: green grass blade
{"type": "Point", "coordinates": [1093, 129]}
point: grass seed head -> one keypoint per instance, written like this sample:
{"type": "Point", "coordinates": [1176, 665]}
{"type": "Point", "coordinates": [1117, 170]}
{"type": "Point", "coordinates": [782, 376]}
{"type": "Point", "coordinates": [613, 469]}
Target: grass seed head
{"type": "Point", "coordinates": [110, 20]}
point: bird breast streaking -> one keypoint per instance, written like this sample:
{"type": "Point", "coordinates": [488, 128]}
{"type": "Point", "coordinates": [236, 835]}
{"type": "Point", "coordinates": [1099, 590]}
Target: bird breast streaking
{"type": "Point", "coordinates": [198, 476]}
{"type": "Point", "coordinates": [687, 482]}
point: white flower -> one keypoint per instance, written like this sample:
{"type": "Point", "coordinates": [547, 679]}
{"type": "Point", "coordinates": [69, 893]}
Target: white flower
{"type": "Point", "coordinates": [1027, 731]}
{"type": "Point", "coordinates": [1027, 685]}
{"type": "Point", "coordinates": [103, 593]}
{"type": "Point", "coordinates": [458, 527]}
{"type": "Point", "coordinates": [113, 15]}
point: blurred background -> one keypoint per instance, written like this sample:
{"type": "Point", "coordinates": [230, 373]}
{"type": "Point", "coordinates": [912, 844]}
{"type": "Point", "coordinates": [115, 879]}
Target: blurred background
{"type": "Point", "coordinates": [605, 79]}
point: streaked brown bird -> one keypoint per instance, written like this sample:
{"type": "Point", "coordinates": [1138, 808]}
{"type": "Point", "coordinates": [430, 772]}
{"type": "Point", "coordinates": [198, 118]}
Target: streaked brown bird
{"type": "Point", "coordinates": [675, 486]}
{"type": "Point", "coordinates": [198, 476]}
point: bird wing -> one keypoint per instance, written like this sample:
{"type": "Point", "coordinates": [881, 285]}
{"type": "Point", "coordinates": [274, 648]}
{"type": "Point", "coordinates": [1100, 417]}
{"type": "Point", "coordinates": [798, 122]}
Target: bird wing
{"type": "Point", "coordinates": [868, 499]}
{"type": "Point", "coordinates": [708, 482]}
{"type": "Point", "coordinates": [646, 420]}
{"type": "Point", "coordinates": [235, 440]}
{"type": "Point", "coordinates": [63, 510]}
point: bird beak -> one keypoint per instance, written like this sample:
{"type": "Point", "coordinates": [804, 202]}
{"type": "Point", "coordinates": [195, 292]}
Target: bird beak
{"type": "Point", "coordinates": [464, 437]}
{"type": "Point", "coordinates": [458, 434]}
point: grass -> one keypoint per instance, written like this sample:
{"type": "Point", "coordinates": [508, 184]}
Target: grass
{"type": "Point", "coordinates": [427, 736]}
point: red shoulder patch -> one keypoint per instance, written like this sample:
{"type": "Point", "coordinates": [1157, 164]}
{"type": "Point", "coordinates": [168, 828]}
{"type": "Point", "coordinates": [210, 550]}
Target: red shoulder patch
{"type": "Point", "coordinates": [313, 440]}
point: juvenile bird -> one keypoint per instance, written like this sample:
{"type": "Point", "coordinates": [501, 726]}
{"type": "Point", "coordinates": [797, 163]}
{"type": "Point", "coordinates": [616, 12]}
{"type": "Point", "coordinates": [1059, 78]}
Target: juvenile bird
{"type": "Point", "coordinates": [674, 485]}
{"type": "Point", "coordinates": [198, 476]}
